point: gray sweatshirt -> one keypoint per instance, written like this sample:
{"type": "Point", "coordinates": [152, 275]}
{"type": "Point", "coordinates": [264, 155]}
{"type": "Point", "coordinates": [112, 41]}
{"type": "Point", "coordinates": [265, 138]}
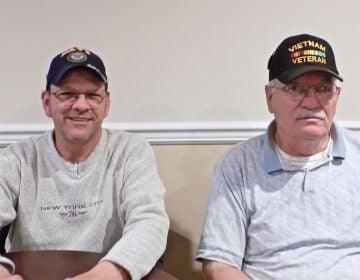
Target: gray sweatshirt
{"type": "Point", "coordinates": [112, 203]}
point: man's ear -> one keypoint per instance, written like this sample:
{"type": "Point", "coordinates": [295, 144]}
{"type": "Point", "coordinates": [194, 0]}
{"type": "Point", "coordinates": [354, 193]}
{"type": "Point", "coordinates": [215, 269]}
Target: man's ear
{"type": "Point", "coordinates": [107, 104]}
{"type": "Point", "coordinates": [45, 100]}
{"type": "Point", "coordinates": [339, 91]}
{"type": "Point", "coordinates": [269, 92]}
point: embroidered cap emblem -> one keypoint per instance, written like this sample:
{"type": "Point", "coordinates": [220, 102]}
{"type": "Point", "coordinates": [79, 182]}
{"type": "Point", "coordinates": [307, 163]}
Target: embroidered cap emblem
{"type": "Point", "coordinates": [76, 57]}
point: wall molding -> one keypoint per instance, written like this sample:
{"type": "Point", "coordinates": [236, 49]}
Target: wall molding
{"type": "Point", "coordinates": [164, 133]}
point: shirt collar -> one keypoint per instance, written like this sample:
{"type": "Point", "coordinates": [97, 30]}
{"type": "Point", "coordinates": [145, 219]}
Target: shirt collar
{"type": "Point", "coordinates": [271, 160]}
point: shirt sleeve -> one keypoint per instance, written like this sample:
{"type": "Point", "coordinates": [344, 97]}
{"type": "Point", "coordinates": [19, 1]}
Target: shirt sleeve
{"type": "Point", "coordinates": [223, 237]}
{"type": "Point", "coordinates": [9, 181]}
{"type": "Point", "coordinates": [146, 222]}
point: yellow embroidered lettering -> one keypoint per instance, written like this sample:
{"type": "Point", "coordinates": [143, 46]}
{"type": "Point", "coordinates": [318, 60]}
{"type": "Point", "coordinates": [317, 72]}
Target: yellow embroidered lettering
{"type": "Point", "coordinates": [308, 43]}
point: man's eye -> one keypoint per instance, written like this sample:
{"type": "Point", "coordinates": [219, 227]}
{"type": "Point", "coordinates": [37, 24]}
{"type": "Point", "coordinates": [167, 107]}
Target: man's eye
{"type": "Point", "coordinates": [301, 89]}
{"type": "Point", "coordinates": [295, 88]}
{"type": "Point", "coordinates": [93, 96]}
{"type": "Point", "coordinates": [65, 95]}
{"type": "Point", "coordinates": [292, 87]}
{"type": "Point", "coordinates": [324, 88]}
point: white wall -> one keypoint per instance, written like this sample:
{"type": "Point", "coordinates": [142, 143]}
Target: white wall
{"type": "Point", "coordinates": [170, 60]}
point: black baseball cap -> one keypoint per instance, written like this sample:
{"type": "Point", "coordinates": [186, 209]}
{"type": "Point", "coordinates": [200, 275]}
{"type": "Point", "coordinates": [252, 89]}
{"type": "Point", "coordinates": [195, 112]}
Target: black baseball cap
{"type": "Point", "coordinates": [299, 54]}
{"type": "Point", "coordinates": [71, 58]}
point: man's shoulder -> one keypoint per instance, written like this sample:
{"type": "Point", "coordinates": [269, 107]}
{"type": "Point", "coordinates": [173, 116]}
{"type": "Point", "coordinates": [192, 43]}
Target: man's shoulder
{"type": "Point", "coordinates": [348, 134]}
{"type": "Point", "coordinates": [249, 147]}
{"type": "Point", "coordinates": [121, 136]}
{"type": "Point", "coordinates": [351, 134]}
{"type": "Point", "coordinates": [27, 144]}
{"type": "Point", "coordinates": [126, 142]}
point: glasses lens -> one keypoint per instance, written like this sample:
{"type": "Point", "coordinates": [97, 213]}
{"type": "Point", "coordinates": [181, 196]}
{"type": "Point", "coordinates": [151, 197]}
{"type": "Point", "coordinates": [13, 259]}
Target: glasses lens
{"type": "Point", "coordinates": [324, 91]}
{"type": "Point", "coordinates": [93, 99]}
{"type": "Point", "coordinates": [296, 91]}
{"type": "Point", "coordinates": [65, 96]}
{"type": "Point", "coordinates": [299, 91]}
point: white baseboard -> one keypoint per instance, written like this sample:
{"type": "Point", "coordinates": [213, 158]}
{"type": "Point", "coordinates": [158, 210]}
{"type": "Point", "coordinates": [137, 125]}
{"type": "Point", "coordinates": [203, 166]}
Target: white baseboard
{"type": "Point", "coordinates": [164, 133]}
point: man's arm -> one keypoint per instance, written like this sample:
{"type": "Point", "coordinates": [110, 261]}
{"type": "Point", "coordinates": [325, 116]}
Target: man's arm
{"type": "Point", "coordinates": [9, 180]}
{"type": "Point", "coordinates": [224, 234]}
{"type": "Point", "coordinates": [213, 270]}
{"type": "Point", "coordinates": [144, 235]}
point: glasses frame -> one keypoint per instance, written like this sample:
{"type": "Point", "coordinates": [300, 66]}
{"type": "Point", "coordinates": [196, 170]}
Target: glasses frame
{"type": "Point", "coordinates": [94, 99]}
{"type": "Point", "coordinates": [298, 96]}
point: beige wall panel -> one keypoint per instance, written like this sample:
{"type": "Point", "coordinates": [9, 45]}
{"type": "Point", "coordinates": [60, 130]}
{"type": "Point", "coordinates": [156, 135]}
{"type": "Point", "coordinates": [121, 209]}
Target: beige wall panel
{"type": "Point", "coordinates": [186, 171]}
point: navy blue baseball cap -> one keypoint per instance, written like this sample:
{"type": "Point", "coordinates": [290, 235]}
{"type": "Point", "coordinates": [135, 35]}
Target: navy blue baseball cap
{"type": "Point", "coordinates": [71, 58]}
{"type": "Point", "coordinates": [297, 55]}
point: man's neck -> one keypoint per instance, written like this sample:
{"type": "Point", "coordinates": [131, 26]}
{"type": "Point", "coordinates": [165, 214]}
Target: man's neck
{"type": "Point", "coordinates": [76, 152]}
{"type": "Point", "coordinates": [301, 147]}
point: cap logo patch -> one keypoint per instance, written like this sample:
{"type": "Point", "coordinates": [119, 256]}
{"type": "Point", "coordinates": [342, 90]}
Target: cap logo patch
{"type": "Point", "coordinates": [308, 52]}
{"type": "Point", "coordinates": [75, 49]}
{"type": "Point", "coordinates": [76, 57]}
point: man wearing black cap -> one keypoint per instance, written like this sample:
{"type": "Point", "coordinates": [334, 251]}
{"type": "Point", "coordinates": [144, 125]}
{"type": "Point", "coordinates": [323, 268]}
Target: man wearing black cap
{"type": "Point", "coordinates": [81, 188]}
{"type": "Point", "coordinates": [285, 204]}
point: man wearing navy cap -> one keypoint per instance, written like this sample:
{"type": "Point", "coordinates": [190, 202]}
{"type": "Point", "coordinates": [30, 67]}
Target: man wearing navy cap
{"type": "Point", "coordinates": [285, 204]}
{"type": "Point", "coordinates": [81, 188]}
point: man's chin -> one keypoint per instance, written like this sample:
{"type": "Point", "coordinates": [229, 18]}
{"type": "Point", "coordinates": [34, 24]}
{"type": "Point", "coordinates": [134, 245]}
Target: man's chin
{"type": "Point", "coordinates": [78, 135]}
{"type": "Point", "coordinates": [313, 132]}
{"type": "Point", "coordinates": [78, 139]}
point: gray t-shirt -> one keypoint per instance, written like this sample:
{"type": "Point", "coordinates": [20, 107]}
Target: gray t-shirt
{"type": "Point", "coordinates": [112, 203]}
{"type": "Point", "coordinates": [277, 224]}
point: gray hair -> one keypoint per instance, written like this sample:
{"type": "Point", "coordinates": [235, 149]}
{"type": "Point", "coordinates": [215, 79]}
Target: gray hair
{"type": "Point", "coordinates": [334, 80]}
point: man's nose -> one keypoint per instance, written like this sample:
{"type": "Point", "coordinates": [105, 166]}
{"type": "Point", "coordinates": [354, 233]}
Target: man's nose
{"type": "Point", "coordinates": [81, 102]}
{"type": "Point", "coordinates": [310, 98]}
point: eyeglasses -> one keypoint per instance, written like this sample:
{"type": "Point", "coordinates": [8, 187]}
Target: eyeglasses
{"type": "Point", "coordinates": [324, 92]}
{"type": "Point", "coordinates": [94, 99]}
